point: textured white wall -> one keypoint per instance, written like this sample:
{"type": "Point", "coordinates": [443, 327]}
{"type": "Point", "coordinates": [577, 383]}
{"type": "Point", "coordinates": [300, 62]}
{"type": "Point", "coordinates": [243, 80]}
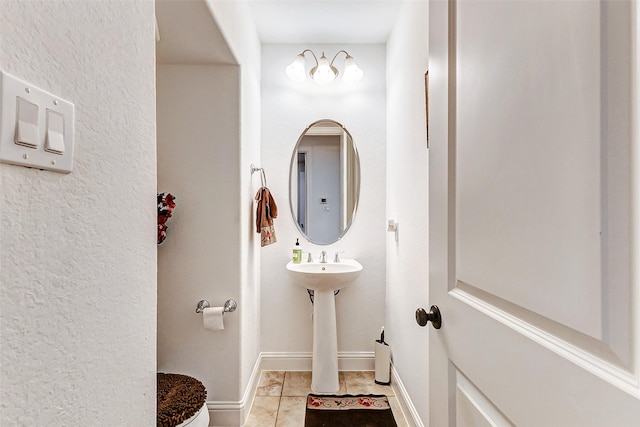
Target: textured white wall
{"type": "Point", "coordinates": [78, 251]}
{"type": "Point", "coordinates": [198, 127]}
{"type": "Point", "coordinates": [236, 23]}
{"type": "Point", "coordinates": [287, 109]}
{"type": "Point", "coordinates": [407, 200]}
{"type": "Point", "coordinates": [208, 136]}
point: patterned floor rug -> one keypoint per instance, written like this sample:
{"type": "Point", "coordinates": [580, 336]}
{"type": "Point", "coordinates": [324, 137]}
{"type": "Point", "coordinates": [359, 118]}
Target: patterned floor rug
{"type": "Point", "coordinates": [361, 410]}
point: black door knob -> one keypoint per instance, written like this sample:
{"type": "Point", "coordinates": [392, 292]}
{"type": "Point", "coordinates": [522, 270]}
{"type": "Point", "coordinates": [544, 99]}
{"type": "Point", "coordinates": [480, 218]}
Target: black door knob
{"type": "Point", "coordinates": [422, 317]}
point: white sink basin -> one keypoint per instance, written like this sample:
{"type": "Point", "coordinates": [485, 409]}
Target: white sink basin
{"type": "Point", "coordinates": [329, 276]}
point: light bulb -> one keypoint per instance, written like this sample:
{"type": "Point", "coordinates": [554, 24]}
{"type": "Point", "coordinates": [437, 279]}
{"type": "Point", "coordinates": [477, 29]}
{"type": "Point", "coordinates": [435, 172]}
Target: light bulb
{"type": "Point", "coordinates": [295, 71]}
{"type": "Point", "coordinates": [324, 73]}
{"type": "Point", "coordinates": [352, 73]}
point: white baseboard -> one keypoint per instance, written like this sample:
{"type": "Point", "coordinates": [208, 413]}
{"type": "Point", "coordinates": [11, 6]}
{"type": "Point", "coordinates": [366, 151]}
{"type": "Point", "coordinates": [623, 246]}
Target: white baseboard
{"type": "Point", "coordinates": [347, 361]}
{"type": "Point", "coordinates": [234, 414]}
{"type": "Point", "coordinates": [225, 414]}
{"type": "Point", "coordinates": [406, 404]}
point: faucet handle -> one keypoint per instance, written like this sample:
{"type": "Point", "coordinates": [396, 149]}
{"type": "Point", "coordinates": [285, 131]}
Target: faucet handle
{"type": "Point", "coordinates": [309, 257]}
{"type": "Point", "coordinates": [336, 258]}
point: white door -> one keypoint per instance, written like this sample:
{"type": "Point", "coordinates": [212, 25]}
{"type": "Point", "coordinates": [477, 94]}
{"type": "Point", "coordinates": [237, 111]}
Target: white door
{"type": "Point", "coordinates": [534, 213]}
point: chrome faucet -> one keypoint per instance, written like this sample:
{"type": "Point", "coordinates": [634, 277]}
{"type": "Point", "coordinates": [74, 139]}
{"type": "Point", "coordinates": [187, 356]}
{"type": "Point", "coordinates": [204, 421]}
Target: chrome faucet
{"type": "Point", "coordinates": [323, 257]}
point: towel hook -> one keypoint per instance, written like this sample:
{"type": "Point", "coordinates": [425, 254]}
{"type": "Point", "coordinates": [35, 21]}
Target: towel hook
{"type": "Point", "coordinates": [263, 176]}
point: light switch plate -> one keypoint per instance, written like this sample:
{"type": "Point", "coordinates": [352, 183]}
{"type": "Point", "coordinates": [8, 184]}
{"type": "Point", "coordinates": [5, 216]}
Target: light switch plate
{"type": "Point", "coordinates": [12, 88]}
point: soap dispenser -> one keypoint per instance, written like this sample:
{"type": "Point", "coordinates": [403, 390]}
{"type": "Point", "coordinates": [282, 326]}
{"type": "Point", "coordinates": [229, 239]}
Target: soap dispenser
{"type": "Point", "coordinates": [297, 253]}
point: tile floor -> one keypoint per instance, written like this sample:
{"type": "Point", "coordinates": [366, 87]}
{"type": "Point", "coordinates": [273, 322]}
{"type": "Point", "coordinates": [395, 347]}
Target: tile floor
{"type": "Point", "coordinates": [281, 397]}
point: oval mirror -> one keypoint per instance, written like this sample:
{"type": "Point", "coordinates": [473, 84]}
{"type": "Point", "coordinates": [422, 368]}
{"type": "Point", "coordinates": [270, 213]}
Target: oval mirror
{"type": "Point", "coordinates": [324, 182]}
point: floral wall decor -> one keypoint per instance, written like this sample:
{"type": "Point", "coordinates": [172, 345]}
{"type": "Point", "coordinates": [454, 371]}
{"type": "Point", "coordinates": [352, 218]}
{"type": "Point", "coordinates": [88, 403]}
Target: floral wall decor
{"type": "Point", "coordinates": [165, 206]}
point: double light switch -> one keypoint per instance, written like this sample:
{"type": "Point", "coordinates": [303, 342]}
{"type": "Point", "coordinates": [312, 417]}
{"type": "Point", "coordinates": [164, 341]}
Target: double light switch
{"type": "Point", "coordinates": [36, 127]}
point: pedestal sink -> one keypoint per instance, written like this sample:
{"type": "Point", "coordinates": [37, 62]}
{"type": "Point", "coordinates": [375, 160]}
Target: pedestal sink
{"type": "Point", "coordinates": [324, 279]}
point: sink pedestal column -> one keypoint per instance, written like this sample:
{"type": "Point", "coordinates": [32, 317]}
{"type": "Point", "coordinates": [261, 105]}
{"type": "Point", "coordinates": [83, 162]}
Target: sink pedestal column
{"type": "Point", "coordinates": [324, 376]}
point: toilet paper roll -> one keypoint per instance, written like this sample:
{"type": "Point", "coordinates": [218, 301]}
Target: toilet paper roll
{"type": "Point", "coordinates": [212, 318]}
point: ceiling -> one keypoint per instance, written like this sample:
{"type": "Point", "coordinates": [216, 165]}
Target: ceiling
{"type": "Point", "coordinates": [326, 22]}
{"type": "Point", "coordinates": [184, 24]}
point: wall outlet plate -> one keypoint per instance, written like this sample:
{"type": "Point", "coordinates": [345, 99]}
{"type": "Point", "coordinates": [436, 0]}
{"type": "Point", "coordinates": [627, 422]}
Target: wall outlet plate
{"type": "Point", "coordinates": [11, 89]}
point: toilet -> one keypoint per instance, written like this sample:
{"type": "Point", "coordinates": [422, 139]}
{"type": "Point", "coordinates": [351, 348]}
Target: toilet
{"type": "Point", "coordinates": [181, 401]}
{"type": "Point", "coordinates": [200, 419]}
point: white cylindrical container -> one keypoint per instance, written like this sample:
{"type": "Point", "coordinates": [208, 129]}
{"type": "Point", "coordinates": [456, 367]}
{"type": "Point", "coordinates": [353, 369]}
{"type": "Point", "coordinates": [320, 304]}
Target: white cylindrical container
{"type": "Point", "coordinates": [383, 363]}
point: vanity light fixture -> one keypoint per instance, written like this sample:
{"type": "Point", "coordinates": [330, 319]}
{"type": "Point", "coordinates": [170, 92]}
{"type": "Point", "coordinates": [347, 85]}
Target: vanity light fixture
{"type": "Point", "coordinates": [324, 72]}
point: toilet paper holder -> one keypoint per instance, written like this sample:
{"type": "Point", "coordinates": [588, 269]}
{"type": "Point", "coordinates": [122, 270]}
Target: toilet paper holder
{"type": "Point", "coordinates": [229, 306]}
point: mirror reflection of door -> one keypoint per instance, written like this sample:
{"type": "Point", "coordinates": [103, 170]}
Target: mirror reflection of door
{"type": "Point", "coordinates": [302, 190]}
{"type": "Point", "coordinates": [320, 192]}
